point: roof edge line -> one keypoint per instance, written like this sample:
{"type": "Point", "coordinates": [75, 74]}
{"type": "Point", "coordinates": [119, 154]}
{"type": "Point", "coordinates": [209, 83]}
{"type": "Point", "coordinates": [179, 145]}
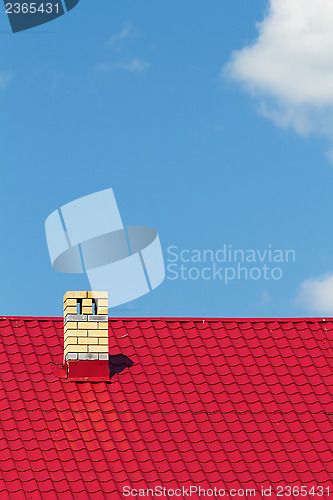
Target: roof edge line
{"type": "Point", "coordinates": [175, 319]}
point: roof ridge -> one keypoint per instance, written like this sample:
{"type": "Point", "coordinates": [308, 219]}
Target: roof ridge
{"type": "Point", "coordinates": [179, 319]}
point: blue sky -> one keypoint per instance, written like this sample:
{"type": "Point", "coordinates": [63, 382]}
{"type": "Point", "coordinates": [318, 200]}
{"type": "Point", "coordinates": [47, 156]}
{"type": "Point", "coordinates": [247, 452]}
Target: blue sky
{"type": "Point", "coordinates": [209, 146]}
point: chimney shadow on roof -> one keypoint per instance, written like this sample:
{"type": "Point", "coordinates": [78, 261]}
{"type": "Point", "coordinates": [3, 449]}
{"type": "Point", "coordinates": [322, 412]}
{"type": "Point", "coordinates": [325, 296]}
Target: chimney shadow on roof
{"type": "Point", "coordinates": [118, 363]}
{"type": "Point", "coordinates": [82, 371]}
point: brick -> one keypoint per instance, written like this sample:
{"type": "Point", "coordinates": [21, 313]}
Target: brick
{"type": "Point", "coordinates": [98, 317]}
{"type": "Point", "coordinates": [103, 355]}
{"type": "Point", "coordinates": [88, 355]}
{"type": "Point", "coordinates": [75, 317]}
{"type": "Point", "coordinates": [98, 295]}
{"type": "Point", "coordinates": [87, 310]}
{"type": "Point", "coordinates": [76, 333]}
{"type": "Point", "coordinates": [76, 348]}
{"type": "Point", "coordinates": [98, 348]}
{"type": "Point", "coordinates": [70, 310]}
{"type": "Point", "coordinates": [102, 310]}
{"type": "Point", "coordinates": [88, 340]}
{"type": "Point", "coordinates": [103, 325]}
{"type": "Point", "coordinates": [103, 340]}
{"type": "Point", "coordinates": [70, 340]}
{"type": "Point", "coordinates": [98, 333]}
{"type": "Point", "coordinates": [102, 302]}
{"type": "Point", "coordinates": [71, 356]}
{"type": "Point", "coordinates": [70, 325]}
{"type": "Point", "coordinates": [70, 302]}
{"type": "Point", "coordinates": [87, 302]}
{"type": "Point", "coordinates": [75, 295]}
{"type": "Point", "coordinates": [88, 325]}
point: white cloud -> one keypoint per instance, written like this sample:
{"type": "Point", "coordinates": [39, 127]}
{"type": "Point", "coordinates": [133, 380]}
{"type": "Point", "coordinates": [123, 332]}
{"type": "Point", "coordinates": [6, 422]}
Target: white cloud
{"type": "Point", "coordinates": [103, 67]}
{"type": "Point", "coordinates": [316, 294]}
{"type": "Point", "coordinates": [126, 61]}
{"type": "Point", "coordinates": [136, 65]}
{"type": "Point", "coordinates": [289, 67]}
{"type": "Point", "coordinates": [116, 41]}
{"type": "Point", "coordinates": [5, 79]}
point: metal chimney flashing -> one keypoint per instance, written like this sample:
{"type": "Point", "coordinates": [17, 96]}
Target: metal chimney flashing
{"type": "Point", "coordinates": [88, 371]}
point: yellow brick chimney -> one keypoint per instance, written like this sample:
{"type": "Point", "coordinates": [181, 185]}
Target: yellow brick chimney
{"type": "Point", "coordinates": [86, 326]}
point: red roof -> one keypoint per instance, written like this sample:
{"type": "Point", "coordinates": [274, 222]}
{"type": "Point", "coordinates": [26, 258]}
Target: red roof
{"type": "Point", "coordinates": [224, 404]}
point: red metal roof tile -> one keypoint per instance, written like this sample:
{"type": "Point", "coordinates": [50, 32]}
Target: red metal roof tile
{"type": "Point", "coordinates": [207, 402]}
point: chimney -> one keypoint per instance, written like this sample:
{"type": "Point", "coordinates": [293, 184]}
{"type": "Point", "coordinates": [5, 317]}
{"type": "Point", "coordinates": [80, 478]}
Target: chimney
{"type": "Point", "coordinates": [86, 327]}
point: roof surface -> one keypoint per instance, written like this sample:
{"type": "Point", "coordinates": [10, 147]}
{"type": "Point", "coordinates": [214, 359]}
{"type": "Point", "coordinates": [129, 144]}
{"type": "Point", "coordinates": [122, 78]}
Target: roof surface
{"type": "Point", "coordinates": [226, 404]}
